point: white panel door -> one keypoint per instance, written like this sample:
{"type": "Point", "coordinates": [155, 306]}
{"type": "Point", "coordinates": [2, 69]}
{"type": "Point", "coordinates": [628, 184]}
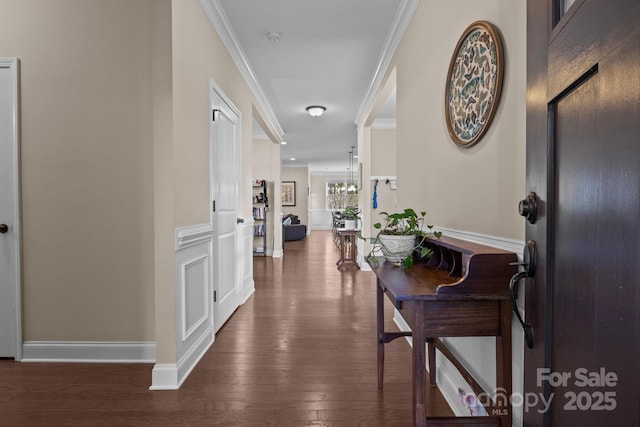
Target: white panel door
{"type": "Point", "coordinates": [9, 205]}
{"type": "Point", "coordinates": [226, 173]}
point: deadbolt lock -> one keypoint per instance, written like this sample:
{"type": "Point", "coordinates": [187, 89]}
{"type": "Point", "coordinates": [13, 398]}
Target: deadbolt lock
{"type": "Point", "coordinates": [528, 207]}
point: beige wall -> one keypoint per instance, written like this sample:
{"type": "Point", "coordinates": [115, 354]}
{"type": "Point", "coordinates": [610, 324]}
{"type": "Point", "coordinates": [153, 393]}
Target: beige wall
{"type": "Point", "coordinates": [115, 148]}
{"type": "Point", "coordinates": [163, 190]}
{"type": "Point", "coordinates": [383, 152]}
{"type": "Point", "coordinates": [383, 163]}
{"type": "Point", "coordinates": [87, 129]}
{"type": "Point", "coordinates": [266, 161]}
{"type": "Point", "coordinates": [475, 189]}
{"type": "Point", "coordinates": [107, 174]}
{"type": "Point", "coordinates": [301, 177]}
{"type": "Point", "coordinates": [198, 56]}
{"type": "Point", "coordinates": [318, 191]}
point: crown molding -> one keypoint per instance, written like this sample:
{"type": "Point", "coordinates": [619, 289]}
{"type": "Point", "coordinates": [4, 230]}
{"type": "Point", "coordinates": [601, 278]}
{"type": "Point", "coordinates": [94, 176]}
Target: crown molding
{"type": "Point", "coordinates": [400, 23]}
{"type": "Point", "coordinates": [218, 18]}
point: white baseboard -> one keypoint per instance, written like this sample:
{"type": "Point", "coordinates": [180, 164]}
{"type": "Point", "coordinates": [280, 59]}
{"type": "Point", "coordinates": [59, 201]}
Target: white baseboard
{"type": "Point", "coordinates": [248, 295]}
{"type": "Point", "coordinates": [364, 265]}
{"type": "Point", "coordinates": [449, 379]}
{"type": "Point", "coordinates": [278, 253]}
{"type": "Point", "coordinates": [169, 376]}
{"type": "Point", "coordinates": [164, 377]}
{"type": "Point", "coordinates": [89, 352]}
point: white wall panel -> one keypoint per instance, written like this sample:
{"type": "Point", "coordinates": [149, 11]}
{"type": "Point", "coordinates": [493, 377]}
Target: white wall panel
{"type": "Point", "coordinates": [245, 267]}
{"type": "Point", "coordinates": [194, 311]}
{"type": "Point", "coordinates": [321, 219]}
{"type": "Point", "coordinates": [194, 288]}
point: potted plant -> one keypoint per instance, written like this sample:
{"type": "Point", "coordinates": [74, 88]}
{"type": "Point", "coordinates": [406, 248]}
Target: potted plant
{"type": "Point", "coordinates": [350, 217]}
{"type": "Point", "coordinates": [399, 235]}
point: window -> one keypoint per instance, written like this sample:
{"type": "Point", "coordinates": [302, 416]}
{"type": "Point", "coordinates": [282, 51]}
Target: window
{"type": "Point", "coordinates": [341, 194]}
{"type": "Point", "coordinates": [561, 8]}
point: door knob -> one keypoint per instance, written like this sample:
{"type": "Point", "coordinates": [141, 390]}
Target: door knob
{"type": "Point", "coordinates": [4, 228]}
{"type": "Point", "coordinates": [528, 207]}
{"type": "Point", "coordinates": [239, 220]}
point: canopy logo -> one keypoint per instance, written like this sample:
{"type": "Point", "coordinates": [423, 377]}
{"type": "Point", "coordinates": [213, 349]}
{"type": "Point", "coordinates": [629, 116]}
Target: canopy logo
{"type": "Point", "coordinates": [598, 393]}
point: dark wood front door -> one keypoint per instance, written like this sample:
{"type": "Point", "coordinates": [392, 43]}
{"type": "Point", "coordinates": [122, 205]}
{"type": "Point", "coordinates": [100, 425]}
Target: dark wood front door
{"type": "Point", "coordinates": [583, 161]}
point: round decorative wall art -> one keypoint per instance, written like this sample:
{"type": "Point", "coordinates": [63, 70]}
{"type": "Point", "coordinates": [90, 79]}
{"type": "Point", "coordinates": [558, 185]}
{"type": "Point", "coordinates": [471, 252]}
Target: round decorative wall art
{"type": "Point", "coordinates": [474, 83]}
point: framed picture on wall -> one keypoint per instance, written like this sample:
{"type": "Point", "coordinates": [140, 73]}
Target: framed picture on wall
{"type": "Point", "coordinates": [288, 193]}
{"type": "Point", "coordinates": [474, 83]}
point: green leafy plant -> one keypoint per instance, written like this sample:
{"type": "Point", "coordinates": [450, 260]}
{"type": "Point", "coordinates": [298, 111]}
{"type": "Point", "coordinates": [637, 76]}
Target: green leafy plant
{"type": "Point", "coordinates": [351, 213]}
{"type": "Point", "coordinates": [405, 223]}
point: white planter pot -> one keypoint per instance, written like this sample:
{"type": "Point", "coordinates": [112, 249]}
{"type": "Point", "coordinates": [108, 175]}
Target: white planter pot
{"type": "Point", "coordinates": [397, 248]}
{"type": "Point", "coordinates": [349, 224]}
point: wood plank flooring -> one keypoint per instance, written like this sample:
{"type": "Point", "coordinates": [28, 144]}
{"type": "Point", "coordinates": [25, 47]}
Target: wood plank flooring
{"type": "Point", "coordinates": [301, 352]}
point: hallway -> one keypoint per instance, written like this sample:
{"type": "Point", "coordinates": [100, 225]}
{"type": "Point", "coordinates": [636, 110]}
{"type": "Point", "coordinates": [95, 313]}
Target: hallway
{"type": "Point", "coordinates": [300, 352]}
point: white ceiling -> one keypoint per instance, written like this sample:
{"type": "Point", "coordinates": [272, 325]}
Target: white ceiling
{"type": "Point", "coordinates": [327, 54]}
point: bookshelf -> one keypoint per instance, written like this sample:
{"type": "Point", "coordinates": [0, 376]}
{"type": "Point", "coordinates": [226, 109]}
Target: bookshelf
{"type": "Point", "coordinates": [260, 210]}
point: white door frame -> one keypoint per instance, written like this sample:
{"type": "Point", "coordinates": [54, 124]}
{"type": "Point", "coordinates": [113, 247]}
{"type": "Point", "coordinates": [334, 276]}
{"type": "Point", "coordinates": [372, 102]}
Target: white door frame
{"type": "Point", "coordinates": [13, 64]}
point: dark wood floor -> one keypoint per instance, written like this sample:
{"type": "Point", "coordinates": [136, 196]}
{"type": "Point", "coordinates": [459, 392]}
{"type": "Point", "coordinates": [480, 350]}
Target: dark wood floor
{"type": "Point", "coordinates": [300, 352]}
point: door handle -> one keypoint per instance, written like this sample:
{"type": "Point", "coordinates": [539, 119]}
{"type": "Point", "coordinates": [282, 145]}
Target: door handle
{"type": "Point", "coordinates": [239, 220]}
{"type": "Point", "coordinates": [4, 228]}
{"type": "Point", "coordinates": [529, 265]}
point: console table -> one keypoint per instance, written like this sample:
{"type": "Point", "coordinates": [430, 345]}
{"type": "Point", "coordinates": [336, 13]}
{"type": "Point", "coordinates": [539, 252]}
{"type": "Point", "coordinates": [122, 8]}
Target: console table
{"type": "Point", "coordinates": [462, 291]}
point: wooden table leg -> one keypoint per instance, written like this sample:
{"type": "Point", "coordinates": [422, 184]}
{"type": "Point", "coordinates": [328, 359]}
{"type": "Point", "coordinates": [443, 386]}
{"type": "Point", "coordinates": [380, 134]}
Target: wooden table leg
{"type": "Point", "coordinates": [380, 322]}
{"type": "Point", "coordinates": [342, 249]}
{"type": "Point", "coordinates": [503, 363]}
{"type": "Point", "coordinates": [419, 365]}
{"type": "Point", "coordinates": [432, 362]}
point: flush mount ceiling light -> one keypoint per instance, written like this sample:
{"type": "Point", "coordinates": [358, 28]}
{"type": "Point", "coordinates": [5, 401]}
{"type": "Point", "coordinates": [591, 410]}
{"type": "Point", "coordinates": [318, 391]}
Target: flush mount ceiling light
{"type": "Point", "coordinates": [316, 110]}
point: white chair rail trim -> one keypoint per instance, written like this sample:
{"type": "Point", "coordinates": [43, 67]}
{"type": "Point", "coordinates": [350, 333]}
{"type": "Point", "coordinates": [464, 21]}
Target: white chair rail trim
{"type": "Point", "coordinates": [192, 235]}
